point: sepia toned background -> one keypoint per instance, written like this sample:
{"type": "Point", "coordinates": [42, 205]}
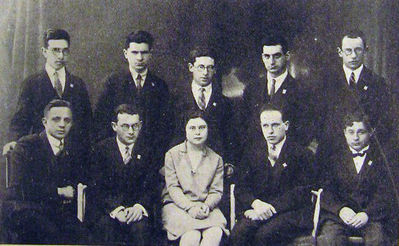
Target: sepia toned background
{"type": "Point", "coordinates": [234, 27]}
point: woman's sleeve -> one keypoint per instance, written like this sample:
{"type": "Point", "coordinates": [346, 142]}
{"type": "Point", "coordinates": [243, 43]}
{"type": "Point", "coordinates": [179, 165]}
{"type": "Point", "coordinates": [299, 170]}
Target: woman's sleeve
{"type": "Point", "coordinates": [173, 185]}
{"type": "Point", "coordinates": [216, 189]}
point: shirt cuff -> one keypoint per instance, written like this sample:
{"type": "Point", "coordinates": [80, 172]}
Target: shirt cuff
{"type": "Point", "coordinates": [116, 211]}
{"type": "Point", "coordinates": [142, 208]}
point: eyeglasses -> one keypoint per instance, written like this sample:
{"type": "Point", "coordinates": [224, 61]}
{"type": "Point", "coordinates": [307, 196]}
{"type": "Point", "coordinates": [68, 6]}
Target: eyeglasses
{"type": "Point", "coordinates": [135, 127]}
{"type": "Point", "coordinates": [57, 51]}
{"type": "Point", "coordinates": [357, 51]}
{"type": "Point", "coordinates": [202, 68]}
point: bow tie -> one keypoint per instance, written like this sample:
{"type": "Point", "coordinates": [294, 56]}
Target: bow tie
{"type": "Point", "coordinates": [361, 154]}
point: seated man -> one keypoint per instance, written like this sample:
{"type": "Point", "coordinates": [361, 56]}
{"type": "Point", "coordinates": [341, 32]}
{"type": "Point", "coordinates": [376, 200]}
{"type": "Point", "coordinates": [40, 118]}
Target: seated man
{"type": "Point", "coordinates": [356, 196]}
{"type": "Point", "coordinates": [273, 191]}
{"type": "Point", "coordinates": [46, 169]}
{"type": "Point", "coordinates": [123, 181]}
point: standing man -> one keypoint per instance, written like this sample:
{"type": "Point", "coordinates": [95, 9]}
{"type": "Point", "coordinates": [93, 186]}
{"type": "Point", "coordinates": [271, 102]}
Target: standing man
{"type": "Point", "coordinates": [273, 191]}
{"type": "Point", "coordinates": [140, 87]}
{"type": "Point", "coordinates": [279, 88]}
{"type": "Point", "coordinates": [205, 94]}
{"type": "Point", "coordinates": [123, 181]}
{"type": "Point", "coordinates": [46, 168]}
{"type": "Point", "coordinates": [55, 82]}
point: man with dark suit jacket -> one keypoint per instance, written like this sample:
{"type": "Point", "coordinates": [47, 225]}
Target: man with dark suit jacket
{"type": "Point", "coordinates": [205, 95]}
{"type": "Point", "coordinates": [141, 87]}
{"type": "Point", "coordinates": [357, 195]}
{"type": "Point", "coordinates": [280, 88]}
{"type": "Point", "coordinates": [46, 169]}
{"type": "Point", "coordinates": [123, 178]}
{"type": "Point", "coordinates": [55, 82]}
{"type": "Point", "coordinates": [274, 185]}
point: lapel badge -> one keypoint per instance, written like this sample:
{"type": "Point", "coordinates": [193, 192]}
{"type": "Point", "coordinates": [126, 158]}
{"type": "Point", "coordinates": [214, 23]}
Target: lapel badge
{"type": "Point", "coordinates": [284, 91]}
{"type": "Point", "coordinates": [152, 84]}
{"type": "Point", "coordinates": [138, 157]}
{"type": "Point", "coordinates": [71, 85]}
{"type": "Point", "coordinates": [370, 162]}
{"type": "Point", "coordinates": [365, 87]}
{"type": "Point", "coordinates": [214, 104]}
{"type": "Point", "coordinates": [285, 165]}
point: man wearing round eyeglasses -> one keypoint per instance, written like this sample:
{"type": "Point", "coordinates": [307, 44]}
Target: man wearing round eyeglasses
{"type": "Point", "coordinates": [54, 82]}
{"type": "Point", "coordinates": [124, 181]}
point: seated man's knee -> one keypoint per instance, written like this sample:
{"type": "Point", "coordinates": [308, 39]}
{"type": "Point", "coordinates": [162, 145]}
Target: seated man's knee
{"type": "Point", "coordinates": [190, 238]}
{"type": "Point", "coordinates": [331, 234]}
{"type": "Point", "coordinates": [374, 234]}
{"type": "Point", "coordinates": [212, 236]}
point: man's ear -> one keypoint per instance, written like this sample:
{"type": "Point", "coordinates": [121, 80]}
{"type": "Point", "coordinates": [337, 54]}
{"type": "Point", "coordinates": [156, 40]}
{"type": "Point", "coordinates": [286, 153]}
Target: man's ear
{"type": "Point", "coordinates": [44, 52]}
{"type": "Point", "coordinates": [287, 125]}
{"type": "Point", "coordinates": [190, 67]}
{"type": "Point", "coordinates": [372, 131]}
{"type": "Point", "coordinates": [113, 125]}
{"type": "Point", "coordinates": [339, 51]}
{"type": "Point", "coordinates": [288, 55]}
{"type": "Point", "coordinates": [44, 121]}
{"type": "Point", "coordinates": [125, 53]}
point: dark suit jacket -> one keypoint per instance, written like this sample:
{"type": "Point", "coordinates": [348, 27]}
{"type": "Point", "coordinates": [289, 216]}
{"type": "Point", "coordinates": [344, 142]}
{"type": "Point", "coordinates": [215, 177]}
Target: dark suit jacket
{"type": "Point", "coordinates": [36, 172]}
{"type": "Point", "coordinates": [369, 191]}
{"type": "Point", "coordinates": [293, 97]}
{"type": "Point", "coordinates": [286, 186]}
{"type": "Point", "coordinates": [153, 100]}
{"type": "Point", "coordinates": [37, 91]}
{"type": "Point", "coordinates": [117, 184]}
{"type": "Point", "coordinates": [222, 130]}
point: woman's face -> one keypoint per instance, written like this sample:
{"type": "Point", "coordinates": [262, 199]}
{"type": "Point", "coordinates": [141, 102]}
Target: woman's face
{"type": "Point", "coordinates": [196, 131]}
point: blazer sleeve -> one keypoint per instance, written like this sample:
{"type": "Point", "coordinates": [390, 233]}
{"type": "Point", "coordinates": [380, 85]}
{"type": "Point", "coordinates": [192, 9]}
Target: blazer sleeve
{"type": "Point", "coordinates": [216, 189]}
{"type": "Point", "coordinates": [173, 185]}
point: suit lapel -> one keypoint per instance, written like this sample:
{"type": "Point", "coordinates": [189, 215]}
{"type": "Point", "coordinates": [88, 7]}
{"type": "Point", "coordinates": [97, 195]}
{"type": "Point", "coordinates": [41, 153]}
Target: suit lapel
{"type": "Point", "coordinates": [48, 153]}
{"type": "Point", "coordinates": [47, 86]}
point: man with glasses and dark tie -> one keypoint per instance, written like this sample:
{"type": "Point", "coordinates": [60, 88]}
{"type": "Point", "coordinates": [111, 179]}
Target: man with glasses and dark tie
{"type": "Point", "coordinates": [54, 82]}
{"type": "Point", "coordinates": [46, 169]}
{"type": "Point", "coordinates": [123, 182]}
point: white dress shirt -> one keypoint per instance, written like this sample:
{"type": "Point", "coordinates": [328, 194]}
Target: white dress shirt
{"type": "Point", "coordinates": [279, 81]}
{"type": "Point", "coordinates": [348, 73]}
{"type": "Point", "coordinates": [122, 149]}
{"type": "Point", "coordinates": [61, 75]}
{"type": "Point", "coordinates": [196, 89]}
{"type": "Point", "coordinates": [359, 160]}
{"type": "Point", "coordinates": [276, 151]}
{"type": "Point", "coordinates": [55, 143]}
{"type": "Point", "coordinates": [135, 74]}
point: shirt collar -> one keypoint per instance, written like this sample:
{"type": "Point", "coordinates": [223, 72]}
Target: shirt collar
{"type": "Point", "coordinates": [278, 146]}
{"type": "Point", "coordinates": [197, 87]}
{"type": "Point", "coordinates": [134, 74]}
{"type": "Point", "coordinates": [50, 71]}
{"type": "Point", "coordinates": [54, 142]}
{"type": "Point", "coordinates": [122, 146]}
{"type": "Point", "coordinates": [279, 79]}
{"type": "Point", "coordinates": [349, 71]}
{"type": "Point", "coordinates": [361, 151]}
{"type": "Point", "coordinates": [183, 149]}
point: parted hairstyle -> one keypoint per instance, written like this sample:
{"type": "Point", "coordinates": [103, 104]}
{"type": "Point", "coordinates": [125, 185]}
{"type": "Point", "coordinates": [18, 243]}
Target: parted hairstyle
{"type": "Point", "coordinates": [272, 107]}
{"type": "Point", "coordinates": [55, 104]}
{"type": "Point", "coordinates": [356, 116]}
{"type": "Point", "coordinates": [55, 34]}
{"type": "Point", "coordinates": [193, 114]}
{"type": "Point", "coordinates": [139, 37]}
{"type": "Point", "coordinates": [125, 109]}
{"type": "Point", "coordinates": [200, 51]}
{"type": "Point", "coordinates": [353, 33]}
{"type": "Point", "coordinates": [275, 39]}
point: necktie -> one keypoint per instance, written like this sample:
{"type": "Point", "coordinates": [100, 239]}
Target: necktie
{"type": "Point", "coordinates": [352, 81]}
{"type": "Point", "coordinates": [361, 154]}
{"type": "Point", "coordinates": [272, 152]}
{"type": "Point", "coordinates": [127, 156]}
{"type": "Point", "coordinates": [139, 79]}
{"type": "Point", "coordinates": [60, 148]}
{"type": "Point", "coordinates": [57, 84]}
{"type": "Point", "coordinates": [273, 88]}
{"type": "Point", "coordinates": [201, 99]}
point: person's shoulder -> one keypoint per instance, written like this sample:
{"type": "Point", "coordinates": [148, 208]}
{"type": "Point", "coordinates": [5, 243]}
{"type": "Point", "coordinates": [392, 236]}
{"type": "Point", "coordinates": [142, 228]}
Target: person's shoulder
{"type": "Point", "coordinates": [372, 77]}
{"type": "Point", "coordinates": [34, 79]}
{"type": "Point", "coordinates": [156, 81]}
{"type": "Point", "coordinates": [177, 148]}
{"type": "Point", "coordinates": [105, 143]}
{"type": "Point", "coordinates": [33, 141]}
{"type": "Point", "coordinates": [212, 153]}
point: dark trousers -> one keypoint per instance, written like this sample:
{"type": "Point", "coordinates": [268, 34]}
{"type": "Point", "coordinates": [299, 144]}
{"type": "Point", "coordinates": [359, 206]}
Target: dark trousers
{"type": "Point", "coordinates": [333, 233]}
{"type": "Point", "coordinates": [33, 226]}
{"type": "Point", "coordinates": [111, 231]}
{"type": "Point", "coordinates": [278, 230]}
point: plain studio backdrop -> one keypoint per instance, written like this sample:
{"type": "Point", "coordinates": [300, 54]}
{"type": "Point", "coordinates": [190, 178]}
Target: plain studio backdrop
{"type": "Point", "coordinates": [234, 27]}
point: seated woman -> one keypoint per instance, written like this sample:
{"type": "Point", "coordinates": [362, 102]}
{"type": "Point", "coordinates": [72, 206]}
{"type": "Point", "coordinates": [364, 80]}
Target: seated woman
{"type": "Point", "coordinates": [194, 188]}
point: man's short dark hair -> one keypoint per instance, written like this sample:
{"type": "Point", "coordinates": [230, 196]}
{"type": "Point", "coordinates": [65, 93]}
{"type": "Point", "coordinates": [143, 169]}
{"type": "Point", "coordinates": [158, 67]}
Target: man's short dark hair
{"type": "Point", "coordinates": [353, 33]}
{"type": "Point", "coordinates": [125, 109]}
{"type": "Point", "coordinates": [193, 114]}
{"type": "Point", "coordinates": [55, 34]}
{"type": "Point", "coordinates": [55, 104]}
{"type": "Point", "coordinates": [275, 39]}
{"type": "Point", "coordinates": [200, 51]}
{"type": "Point", "coordinates": [139, 37]}
{"type": "Point", "coordinates": [272, 107]}
{"type": "Point", "coordinates": [356, 116]}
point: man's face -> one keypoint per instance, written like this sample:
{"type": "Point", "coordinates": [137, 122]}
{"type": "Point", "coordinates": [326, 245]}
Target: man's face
{"type": "Point", "coordinates": [138, 55]}
{"type": "Point", "coordinates": [127, 128]}
{"type": "Point", "coordinates": [196, 131]}
{"type": "Point", "coordinates": [273, 127]}
{"type": "Point", "coordinates": [203, 70]}
{"type": "Point", "coordinates": [274, 59]}
{"type": "Point", "coordinates": [352, 52]}
{"type": "Point", "coordinates": [357, 136]}
{"type": "Point", "coordinates": [58, 122]}
{"type": "Point", "coordinates": [56, 53]}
